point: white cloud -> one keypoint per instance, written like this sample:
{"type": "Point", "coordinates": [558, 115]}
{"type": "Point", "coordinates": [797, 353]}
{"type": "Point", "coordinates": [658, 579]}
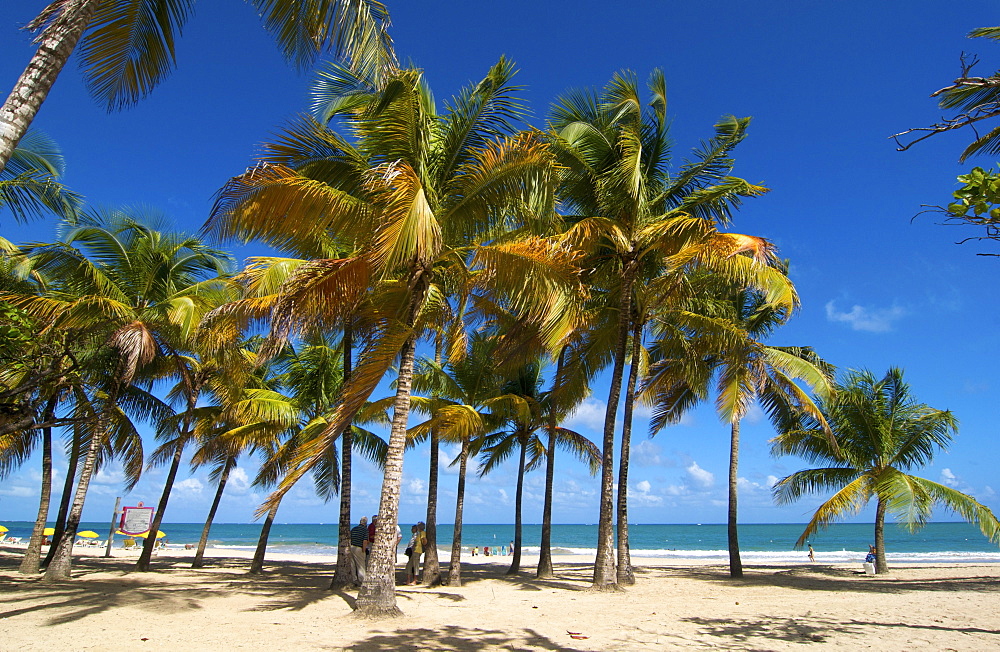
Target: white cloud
{"type": "Point", "coordinates": [588, 415]}
{"type": "Point", "coordinates": [643, 486]}
{"type": "Point", "coordinates": [948, 478]}
{"type": "Point", "coordinates": [189, 487]}
{"type": "Point", "coordinates": [860, 318]}
{"type": "Point", "coordinates": [699, 477]}
{"type": "Point", "coordinates": [105, 476]}
{"type": "Point", "coordinates": [18, 492]}
{"type": "Point", "coordinates": [646, 453]}
{"type": "Point", "coordinates": [772, 480]}
{"type": "Point", "coordinates": [238, 483]}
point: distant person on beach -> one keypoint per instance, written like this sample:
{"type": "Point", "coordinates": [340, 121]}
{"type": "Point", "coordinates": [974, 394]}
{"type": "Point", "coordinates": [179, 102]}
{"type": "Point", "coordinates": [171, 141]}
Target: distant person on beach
{"type": "Point", "coordinates": [510, 549]}
{"type": "Point", "coordinates": [870, 557]}
{"type": "Point", "coordinates": [411, 544]}
{"type": "Point", "coordinates": [371, 533]}
{"type": "Point", "coordinates": [812, 553]}
{"type": "Point", "coordinates": [359, 547]}
{"type": "Point", "coordinates": [486, 550]}
{"type": "Point", "coordinates": [475, 550]}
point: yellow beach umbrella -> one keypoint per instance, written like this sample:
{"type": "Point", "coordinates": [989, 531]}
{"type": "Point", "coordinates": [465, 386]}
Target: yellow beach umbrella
{"type": "Point", "coordinates": [3, 529]}
{"type": "Point", "coordinates": [159, 534]}
{"type": "Point", "coordinates": [88, 534]}
{"type": "Point", "coordinates": [49, 531]}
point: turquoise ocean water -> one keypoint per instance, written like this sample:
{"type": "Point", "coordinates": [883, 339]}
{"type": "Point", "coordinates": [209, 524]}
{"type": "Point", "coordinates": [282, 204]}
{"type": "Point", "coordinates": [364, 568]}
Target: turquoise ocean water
{"type": "Point", "coordinates": [759, 543]}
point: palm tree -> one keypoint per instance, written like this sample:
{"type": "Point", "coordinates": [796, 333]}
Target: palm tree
{"type": "Point", "coordinates": [636, 220]}
{"type": "Point", "coordinates": [142, 290]}
{"type": "Point", "coordinates": [882, 432]}
{"type": "Point", "coordinates": [725, 339]}
{"type": "Point", "coordinates": [526, 411]}
{"type": "Point", "coordinates": [421, 197]}
{"type": "Point", "coordinates": [127, 47]}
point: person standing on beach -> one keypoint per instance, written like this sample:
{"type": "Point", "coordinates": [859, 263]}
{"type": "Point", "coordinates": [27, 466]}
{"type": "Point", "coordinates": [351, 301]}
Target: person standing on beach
{"type": "Point", "coordinates": [359, 548]}
{"type": "Point", "coordinates": [413, 567]}
{"type": "Point", "coordinates": [371, 533]}
{"type": "Point", "coordinates": [812, 553]}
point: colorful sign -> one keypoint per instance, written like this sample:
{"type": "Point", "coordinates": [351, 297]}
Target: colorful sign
{"type": "Point", "coordinates": [136, 520]}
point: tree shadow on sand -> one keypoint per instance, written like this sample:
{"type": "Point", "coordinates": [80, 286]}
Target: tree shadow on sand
{"type": "Point", "coordinates": [451, 638]}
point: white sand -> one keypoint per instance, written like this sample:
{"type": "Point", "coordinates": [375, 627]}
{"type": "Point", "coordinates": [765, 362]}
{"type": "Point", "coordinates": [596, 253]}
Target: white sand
{"type": "Point", "coordinates": [108, 607]}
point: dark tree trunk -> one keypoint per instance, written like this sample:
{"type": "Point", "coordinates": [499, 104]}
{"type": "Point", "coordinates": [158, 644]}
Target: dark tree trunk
{"type": "Point", "coordinates": [343, 574]}
{"type": "Point", "coordinates": [515, 563]}
{"type": "Point", "coordinates": [199, 556]}
{"type": "Point", "coordinates": [605, 575]}
{"type": "Point", "coordinates": [455, 567]}
{"type": "Point", "coordinates": [545, 552]}
{"type": "Point", "coordinates": [65, 498]}
{"type": "Point", "coordinates": [735, 563]}
{"type": "Point", "coordinates": [626, 575]}
{"type": "Point", "coordinates": [61, 564]}
{"type": "Point", "coordinates": [54, 49]}
{"type": "Point", "coordinates": [31, 561]}
{"type": "Point", "coordinates": [257, 565]}
{"type": "Point", "coordinates": [150, 541]}
{"type": "Point", "coordinates": [880, 564]}
{"type": "Point", "coordinates": [432, 565]}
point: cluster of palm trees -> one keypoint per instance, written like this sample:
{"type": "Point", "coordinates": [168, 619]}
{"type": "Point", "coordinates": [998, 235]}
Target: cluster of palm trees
{"type": "Point", "coordinates": [402, 227]}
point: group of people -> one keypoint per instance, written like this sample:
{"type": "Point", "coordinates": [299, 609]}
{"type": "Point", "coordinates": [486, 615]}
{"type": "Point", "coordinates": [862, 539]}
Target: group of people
{"type": "Point", "coordinates": [363, 537]}
{"type": "Point", "coordinates": [504, 551]}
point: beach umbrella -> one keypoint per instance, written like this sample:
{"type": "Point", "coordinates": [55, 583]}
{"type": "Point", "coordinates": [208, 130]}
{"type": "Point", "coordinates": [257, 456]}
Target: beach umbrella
{"type": "Point", "coordinates": [159, 534]}
{"type": "Point", "coordinates": [49, 531]}
{"type": "Point", "coordinates": [3, 529]}
{"type": "Point", "coordinates": [88, 534]}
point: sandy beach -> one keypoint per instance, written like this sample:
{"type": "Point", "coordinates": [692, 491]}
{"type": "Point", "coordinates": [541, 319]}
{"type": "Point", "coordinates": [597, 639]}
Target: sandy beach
{"type": "Point", "coordinates": [108, 607]}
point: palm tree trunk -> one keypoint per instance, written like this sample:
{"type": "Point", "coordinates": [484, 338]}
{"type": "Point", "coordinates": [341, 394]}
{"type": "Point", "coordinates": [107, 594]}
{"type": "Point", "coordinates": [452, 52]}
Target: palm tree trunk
{"type": "Point", "coordinates": [199, 556]}
{"type": "Point", "coordinates": [67, 495]}
{"type": "Point", "coordinates": [880, 564]}
{"type": "Point", "coordinates": [150, 541]}
{"type": "Point", "coordinates": [54, 49]}
{"type": "Point", "coordinates": [257, 565]}
{"type": "Point", "coordinates": [545, 553]}
{"type": "Point", "coordinates": [62, 559]}
{"type": "Point", "coordinates": [432, 565]}
{"type": "Point", "coordinates": [515, 563]}
{"type": "Point", "coordinates": [605, 576]}
{"type": "Point", "coordinates": [344, 574]}
{"type": "Point", "coordinates": [735, 563]}
{"type": "Point", "coordinates": [455, 568]}
{"type": "Point", "coordinates": [30, 563]}
{"type": "Point", "coordinates": [377, 596]}
{"type": "Point", "coordinates": [626, 575]}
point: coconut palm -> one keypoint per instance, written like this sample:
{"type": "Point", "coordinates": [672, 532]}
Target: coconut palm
{"type": "Point", "coordinates": [419, 198]}
{"type": "Point", "coordinates": [882, 431]}
{"type": "Point", "coordinates": [526, 412]}
{"type": "Point", "coordinates": [141, 291]}
{"type": "Point", "coordinates": [639, 222]}
{"type": "Point", "coordinates": [127, 47]}
{"type": "Point", "coordinates": [722, 336]}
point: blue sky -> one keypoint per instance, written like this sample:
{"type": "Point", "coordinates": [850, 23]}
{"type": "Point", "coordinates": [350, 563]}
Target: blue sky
{"type": "Point", "coordinates": [826, 82]}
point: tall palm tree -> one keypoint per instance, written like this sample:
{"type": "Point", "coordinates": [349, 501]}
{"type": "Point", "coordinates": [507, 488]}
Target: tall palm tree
{"type": "Point", "coordinates": [637, 220]}
{"type": "Point", "coordinates": [725, 340]}
{"type": "Point", "coordinates": [420, 197]}
{"type": "Point", "coordinates": [127, 47]}
{"type": "Point", "coordinates": [882, 431]}
{"type": "Point", "coordinates": [142, 290]}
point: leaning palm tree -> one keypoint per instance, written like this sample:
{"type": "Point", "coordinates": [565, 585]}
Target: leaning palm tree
{"type": "Point", "coordinates": [637, 220]}
{"type": "Point", "coordinates": [882, 431]}
{"type": "Point", "coordinates": [127, 47]}
{"type": "Point", "coordinates": [419, 197]}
